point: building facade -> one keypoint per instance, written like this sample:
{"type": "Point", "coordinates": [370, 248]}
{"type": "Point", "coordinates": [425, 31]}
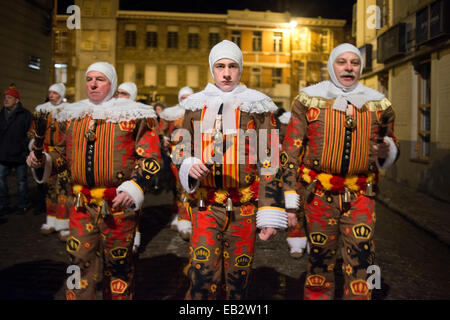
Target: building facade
{"type": "Point", "coordinates": [25, 54]}
{"type": "Point", "coordinates": [407, 50]}
{"type": "Point", "coordinates": [164, 51]}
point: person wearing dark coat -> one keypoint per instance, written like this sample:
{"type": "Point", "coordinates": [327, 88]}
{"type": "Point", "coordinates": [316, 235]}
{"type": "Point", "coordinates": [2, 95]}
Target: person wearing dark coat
{"type": "Point", "coordinates": [15, 122]}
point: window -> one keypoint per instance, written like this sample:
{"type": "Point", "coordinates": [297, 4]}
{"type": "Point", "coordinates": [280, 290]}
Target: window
{"type": "Point", "coordinates": [422, 147]}
{"type": "Point", "coordinates": [214, 36]}
{"type": "Point", "coordinates": [324, 40]}
{"type": "Point", "coordinates": [61, 72]}
{"type": "Point", "coordinates": [236, 37]}
{"type": "Point", "coordinates": [61, 41]}
{"type": "Point", "coordinates": [129, 72]}
{"type": "Point", "coordinates": [255, 77]}
{"type": "Point", "coordinates": [87, 40]}
{"type": "Point", "coordinates": [130, 35]}
{"type": "Point", "coordinates": [88, 8]}
{"type": "Point", "coordinates": [303, 39]}
{"type": "Point", "coordinates": [257, 41]}
{"type": "Point", "coordinates": [150, 75]}
{"type": "Point", "coordinates": [277, 41]}
{"type": "Point", "coordinates": [104, 8]}
{"type": "Point", "coordinates": [171, 76]}
{"type": "Point", "coordinates": [104, 40]}
{"type": "Point", "coordinates": [301, 70]}
{"type": "Point", "coordinates": [324, 71]}
{"type": "Point", "coordinates": [193, 38]}
{"type": "Point", "coordinates": [192, 76]}
{"type": "Point", "coordinates": [172, 37]}
{"type": "Point", "coordinates": [384, 12]}
{"type": "Point", "coordinates": [277, 76]}
{"type": "Point", "coordinates": [151, 40]}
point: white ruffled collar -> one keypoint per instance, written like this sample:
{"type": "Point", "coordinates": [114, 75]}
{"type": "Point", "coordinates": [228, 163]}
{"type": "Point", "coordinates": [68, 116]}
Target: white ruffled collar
{"type": "Point", "coordinates": [114, 110]}
{"type": "Point", "coordinates": [358, 96]}
{"type": "Point", "coordinates": [248, 100]}
{"type": "Point", "coordinates": [172, 113]}
{"type": "Point", "coordinates": [49, 107]}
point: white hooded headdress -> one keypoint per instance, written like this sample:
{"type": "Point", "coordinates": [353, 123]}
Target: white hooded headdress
{"type": "Point", "coordinates": [356, 94]}
{"type": "Point", "coordinates": [109, 71]}
{"type": "Point", "coordinates": [131, 88]}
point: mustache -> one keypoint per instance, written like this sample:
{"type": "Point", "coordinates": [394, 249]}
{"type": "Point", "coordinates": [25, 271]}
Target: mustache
{"type": "Point", "coordinates": [347, 74]}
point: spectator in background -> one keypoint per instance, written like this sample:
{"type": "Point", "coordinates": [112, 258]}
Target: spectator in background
{"type": "Point", "coordinates": [15, 122]}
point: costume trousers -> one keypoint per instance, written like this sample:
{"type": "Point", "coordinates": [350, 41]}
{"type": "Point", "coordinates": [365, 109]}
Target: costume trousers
{"type": "Point", "coordinates": [332, 223]}
{"type": "Point", "coordinates": [111, 238]}
{"type": "Point", "coordinates": [56, 198]}
{"type": "Point", "coordinates": [221, 252]}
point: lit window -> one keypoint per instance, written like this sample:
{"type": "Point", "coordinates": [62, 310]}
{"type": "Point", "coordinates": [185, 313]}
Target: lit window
{"type": "Point", "coordinates": [192, 76]}
{"type": "Point", "coordinates": [60, 72]}
{"type": "Point", "coordinates": [129, 72]}
{"type": "Point", "coordinates": [277, 41]}
{"type": "Point", "coordinates": [422, 147]}
{"type": "Point", "coordinates": [150, 75]}
{"type": "Point", "coordinates": [130, 35]}
{"type": "Point", "coordinates": [257, 41]}
{"type": "Point", "coordinates": [171, 76]}
{"type": "Point", "coordinates": [236, 37]}
{"type": "Point", "coordinates": [277, 76]}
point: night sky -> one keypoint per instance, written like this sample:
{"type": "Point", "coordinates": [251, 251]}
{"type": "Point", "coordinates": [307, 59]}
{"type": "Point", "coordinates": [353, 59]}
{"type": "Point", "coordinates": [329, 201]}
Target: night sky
{"type": "Point", "coordinates": [301, 8]}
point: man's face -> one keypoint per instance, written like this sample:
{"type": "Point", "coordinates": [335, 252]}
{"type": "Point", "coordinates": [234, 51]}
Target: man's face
{"type": "Point", "coordinates": [97, 86]}
{"type": "Point", "coordinates": [123, 94]}
{"type": "Point", "coordinates": [347, 68]}
{"type": "Point", "coordinates": [158, 110]}
{"type": "Point", "coordinates": [53, 97]}
{"type": "Point", "coordinates": [10, 101]}
{"type": "Point", "coordinates": [226, 74]}
{"type": "Point", "coordinates": [184, 96]}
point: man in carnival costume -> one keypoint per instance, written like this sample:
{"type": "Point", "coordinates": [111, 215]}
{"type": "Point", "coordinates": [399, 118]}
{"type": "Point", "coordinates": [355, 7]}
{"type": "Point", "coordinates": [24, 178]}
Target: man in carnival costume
{"type": "Point", "coordinates": [174, 117]}
{"type": "Point", "coordinates": [113, 154]}
{"type": "Point", "coordinates": [58, 186]}
{"type": "Point", "coordinates": [295, 237]}
{"type": "Point", "coordinates": [229, 124]}
{"type": "Point", "coordinates": [339, 135]}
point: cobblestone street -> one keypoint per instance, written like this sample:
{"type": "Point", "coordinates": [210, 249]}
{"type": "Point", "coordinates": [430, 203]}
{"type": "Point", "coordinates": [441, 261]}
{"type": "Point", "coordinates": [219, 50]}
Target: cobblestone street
{"type": "Point", "coordinates": [414, 264]}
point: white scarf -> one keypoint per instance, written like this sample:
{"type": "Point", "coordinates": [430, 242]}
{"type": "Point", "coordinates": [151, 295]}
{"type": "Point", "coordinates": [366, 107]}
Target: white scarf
{"type": "Point", "coordinates": [356, 94]}
{"type": "Point", "coordinates": [212, 97]}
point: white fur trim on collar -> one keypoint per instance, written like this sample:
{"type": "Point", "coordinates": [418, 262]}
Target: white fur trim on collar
{"type": "Point", "coordinates": [248, 100]}
{"type": "Point", "coordinates": [113, 110]}
{"type": "Point", "coordinates": [285, 117]}
{"type": "Point", "coordinates": [172, 113]}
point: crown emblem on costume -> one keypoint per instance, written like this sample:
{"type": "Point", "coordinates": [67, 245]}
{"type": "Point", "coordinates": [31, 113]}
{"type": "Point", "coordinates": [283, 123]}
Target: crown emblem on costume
{"type": "Point", "coordinates": [73, 244]}
{"type": "Point", "coordinates": [151, 166]}
{"type": "Point", "coordinates": [359, 287]}
{"type": "Point", "coordinates": [243, 261]}
{"type": "Point", "coordinates": [201, 254]}
{"type": "Point", "coordinates": [118, 286]}
{"type": "Point", "coordinates": [318, 238]}
{"type": "Point", "coordinates": [362, 231]}
{"type": "Point", "coordinates": [127, 126]}
{"type": "Point", "coordinates": [119, 252]}
{"type": "Point", "coordinates": [315, 280]}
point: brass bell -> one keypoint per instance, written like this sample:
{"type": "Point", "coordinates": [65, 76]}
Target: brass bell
{"type": "Point", "coordinates": [104, 211]}
{"type": "Point", "coordinates": [229, 206]}
{"type": "Point", "coordinates": [78, 201]}
{"type": "Point", "coordinates": [350, 122]}
{"type": "Point", "coordinates": [346, 196]}
{"type": "Point", "coordinates": [311, 186]}
{"type": "Point", "coordinates": [201, 205]}
{"type": "Point", "coordinates": [369, 190]}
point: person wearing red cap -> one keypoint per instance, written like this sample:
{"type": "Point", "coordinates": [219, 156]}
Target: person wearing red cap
{"type": "Point", "coordinates": [15, 122]}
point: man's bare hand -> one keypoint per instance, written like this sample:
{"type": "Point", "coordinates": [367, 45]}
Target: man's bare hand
{"type": "Point", "coordinates": [33, 162]}
{"type": "Point", "coordinates": [198, 171]}
{"type": "Point", "coordinates": [292, 220]}
{"type": "Point", "coordinates": [381, 150]}
{"type": "Point", "coordinates": [267, 233]}
{"type": "Point", "coordinates": [123, 200]}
